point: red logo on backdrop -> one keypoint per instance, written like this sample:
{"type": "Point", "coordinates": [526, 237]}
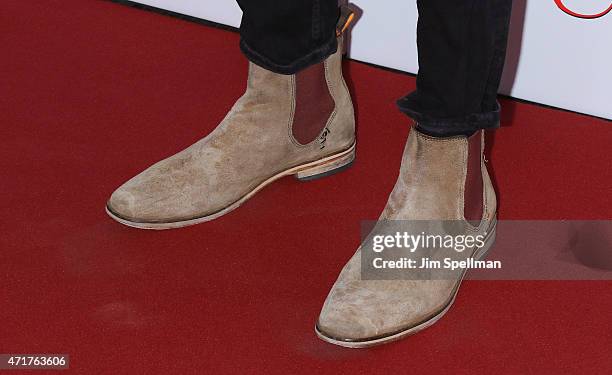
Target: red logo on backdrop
{"type": "Point", "coordinates": [567, 10]}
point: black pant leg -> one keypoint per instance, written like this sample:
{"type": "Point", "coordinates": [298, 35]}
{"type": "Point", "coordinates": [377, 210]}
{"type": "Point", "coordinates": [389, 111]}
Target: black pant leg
{"type": "Point", "coordinates": [286, 36]}
{"type": "Point", "coordinates": [462, 47]}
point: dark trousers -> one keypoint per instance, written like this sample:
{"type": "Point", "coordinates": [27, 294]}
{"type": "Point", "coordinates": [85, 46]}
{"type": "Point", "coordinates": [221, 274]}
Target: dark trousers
{"type": "Point", "coordinates": [461, 45]}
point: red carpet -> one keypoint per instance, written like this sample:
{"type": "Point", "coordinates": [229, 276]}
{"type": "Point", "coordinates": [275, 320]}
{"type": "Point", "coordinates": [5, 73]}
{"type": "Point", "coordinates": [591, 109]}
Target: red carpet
{"type": "Point", "coordinates": [93, 92]}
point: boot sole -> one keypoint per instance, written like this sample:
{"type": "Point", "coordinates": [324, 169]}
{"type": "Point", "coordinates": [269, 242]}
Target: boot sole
{"type": "Point", "coordinates": [305, 172]}
{"type": "Point", "coordinates": [479, 254]}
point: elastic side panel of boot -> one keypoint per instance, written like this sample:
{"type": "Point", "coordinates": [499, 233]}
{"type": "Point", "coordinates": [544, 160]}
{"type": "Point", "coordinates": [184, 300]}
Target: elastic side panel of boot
{"type": "Point", "coordinates": [473, 195]}
{"type": "Point", "coordinates": [313, 104]}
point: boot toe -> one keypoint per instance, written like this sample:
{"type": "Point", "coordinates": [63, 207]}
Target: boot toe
{"type": "Point", "coordinates": [361, 311]}
{"type": "Point", "coordinates": [367, 319]}
{"type": "Point", "coordinates": [346, 324]}
{"type": "Point", "coordinates": [142, 199]}
{"type": "Point", "coordinates": [123, 204]}
{"type": "Point", "coordinates": [156, 201]}
{"type": "Point", "coordinates": [355, 313]}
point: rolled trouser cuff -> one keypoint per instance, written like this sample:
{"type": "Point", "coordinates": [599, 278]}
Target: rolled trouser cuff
{"type": "Point", "coordinates": [313, 57]}
{"type": "Point", "coordinates": [444, 127]}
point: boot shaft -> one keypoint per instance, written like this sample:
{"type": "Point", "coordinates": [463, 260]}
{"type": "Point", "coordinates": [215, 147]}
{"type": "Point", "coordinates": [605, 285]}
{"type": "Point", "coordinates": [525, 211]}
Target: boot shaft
{"type": "Point", "coordinates": [314, 103]}
{"type": "Point", "coordinates": [445, 179]}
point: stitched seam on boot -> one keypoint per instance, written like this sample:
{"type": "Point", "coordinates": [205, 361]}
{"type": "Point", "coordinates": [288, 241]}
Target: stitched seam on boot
{"type": "Point", "coordinates": [345, 86]}
{"type": "Point", "coordinates": [350, 100]}
{"type": "Point", "coordinates": [332, 116]}
{"type": "Point", "coordinates": [292, 114]}
{"type": "Point", "coordinates": [484, 219]}
{"type": "Point", "coordinates": [483, 166]}
{"type": "Point", "coordinates": [464, 166]}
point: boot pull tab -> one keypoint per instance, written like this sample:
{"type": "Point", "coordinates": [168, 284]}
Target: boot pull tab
{"type": "Point", "coordinates": [347, 16]}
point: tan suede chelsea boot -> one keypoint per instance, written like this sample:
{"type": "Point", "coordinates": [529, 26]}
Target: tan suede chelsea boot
{"type": "Point", "coordinates": [301, 124]}
{"type": "Point", "coordinates": [441, 181]}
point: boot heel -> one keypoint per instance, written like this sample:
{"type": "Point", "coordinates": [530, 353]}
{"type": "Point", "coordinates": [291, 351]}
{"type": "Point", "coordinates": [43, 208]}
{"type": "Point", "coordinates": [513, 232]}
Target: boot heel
{"type": "Point", "coordinates": [328, 167]}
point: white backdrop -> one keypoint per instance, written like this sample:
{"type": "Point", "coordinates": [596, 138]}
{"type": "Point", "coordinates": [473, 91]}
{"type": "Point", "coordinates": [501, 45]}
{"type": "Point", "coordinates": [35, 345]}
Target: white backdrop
{"type": "Point", "coordinates": [553, 58]}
